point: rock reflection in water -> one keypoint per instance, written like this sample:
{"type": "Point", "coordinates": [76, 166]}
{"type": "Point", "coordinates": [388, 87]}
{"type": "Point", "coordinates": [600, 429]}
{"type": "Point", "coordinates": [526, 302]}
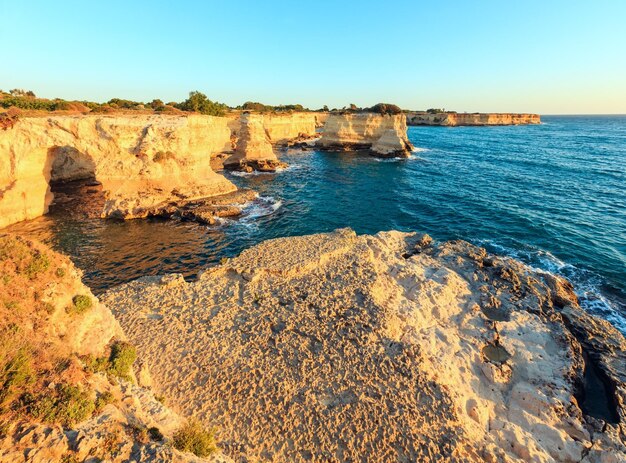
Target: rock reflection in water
{"type": "Point", "coordinates": [106, 250]}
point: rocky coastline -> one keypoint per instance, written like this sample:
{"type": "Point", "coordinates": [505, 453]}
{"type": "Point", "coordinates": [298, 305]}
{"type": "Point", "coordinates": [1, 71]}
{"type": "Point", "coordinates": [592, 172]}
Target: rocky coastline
{"type": "Point", "coordinates": [390, 346]}
{"type": "Point", "coordinates": [150, 165]}
{"type": "Point", "coordinates": [453, 119]}
{"type": "Point", "coordinates": [254, 150]}
{"type": "Point", "coordinates": [144, 164]}
{"type": "Point", "coordinates": [328, 347]}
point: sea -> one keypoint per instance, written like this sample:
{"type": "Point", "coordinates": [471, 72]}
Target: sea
{"type": "Point", "coordinates": [551, 195]}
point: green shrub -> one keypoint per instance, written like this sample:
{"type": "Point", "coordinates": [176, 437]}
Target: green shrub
{"type": "Point", "coordinates": [157, 104]}
{"type": "Point", "coordinates": [60, 272]}
{"type": "Point", "coordinates": [103, 400]}
{"type": "Point", "coordinates": [124, 104]}
{"type": "Point", "coordinates": [198, 102]}
{"type": "Point", "coordinates": [39, 263]}
{"type": "Point", "coordinates": [80, 304]}
{"type": "Point", "coordinates": [15, 371]}
{"type": "Point", "coordinates": [195, 439]}
{"type": "Point", "coordinates": [26, 102]}
{"type": "Point", "coordinates": [263, 108]}
{"type": "Point", "coordinates": [384, 108]}
{"type": "Point", "coordinates": [96, 364]}
{"type": "Point", "coordinates": [118, 363]}
{"type": "Point", "coordinates": [65, 405]}
{"type": "Point", "coordinates": [123, 354]}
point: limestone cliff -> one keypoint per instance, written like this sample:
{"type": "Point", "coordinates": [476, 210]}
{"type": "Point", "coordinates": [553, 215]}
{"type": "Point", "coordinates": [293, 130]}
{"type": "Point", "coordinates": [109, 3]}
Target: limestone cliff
{"type": "Point", "coordinates": [141, 161]}
{"type": "Point", "coordinates": [382, 135]}
{"type": "Point", "coordinates": [459, 119]}
{"type": "Point", "coordinates": [383, 348]}
{"type": "Point", "coordinates": [284, 128]}
{"type": "Point", "coordinates": [254, 149]}
{"type": "Point", "coordinates": [68, 386]}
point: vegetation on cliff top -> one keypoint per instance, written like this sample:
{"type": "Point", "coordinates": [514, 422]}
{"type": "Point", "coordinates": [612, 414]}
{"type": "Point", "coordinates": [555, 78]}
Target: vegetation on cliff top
{"type": "Point", "coordinates": [48, 384]}
{"type": "Point", "coordinates": [28, 101]}
{"type": "Point", "coordinates": [41, 378]}
{"type": "Point", "coordinates": [197, 102]}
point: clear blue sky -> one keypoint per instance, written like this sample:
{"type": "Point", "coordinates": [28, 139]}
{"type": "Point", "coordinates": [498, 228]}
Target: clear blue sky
{"type": "Point", "coordinates": [538, 56]}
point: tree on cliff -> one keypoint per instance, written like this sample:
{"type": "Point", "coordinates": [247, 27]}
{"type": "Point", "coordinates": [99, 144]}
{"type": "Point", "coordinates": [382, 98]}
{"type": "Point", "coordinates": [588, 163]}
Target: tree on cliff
{"type": "Point", "coordinates": [198, 102]}
{"type": "Point", "coordinates": [384, 108]}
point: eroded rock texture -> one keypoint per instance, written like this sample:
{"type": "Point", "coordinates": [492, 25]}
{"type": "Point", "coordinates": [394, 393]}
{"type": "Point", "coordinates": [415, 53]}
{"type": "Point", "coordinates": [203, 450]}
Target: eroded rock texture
{"type": "Point", "coordinates": [337, 347]}
{"type": "Point", "coordinates": [382, 135]}
{"type": "Point", "coordinates": [141, 161]}
{"type": "Point", "coordinates": [254, 149]}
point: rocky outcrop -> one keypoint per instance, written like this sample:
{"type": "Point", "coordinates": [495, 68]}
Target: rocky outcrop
{"type": "Point", "coordinates": [459, 119]}
{"type": "Point", "coordinates": [68, 392]}
{"type": "Point", "coordinates": [383, 348]}
{"type": "Point", "coordinates": [141, 161]}
{"type": "Point", "coordinates": [381, 135]}
{"type": "Point", "coordinates": [320, 119]}
{"type": "Point", "coordinates": [254, 149]}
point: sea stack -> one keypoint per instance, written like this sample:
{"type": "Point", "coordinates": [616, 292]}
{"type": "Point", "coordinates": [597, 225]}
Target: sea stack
{"type": "Point", "coordinates": [382, 135]}
{"type": "Point", "coordinates": [254, 149]}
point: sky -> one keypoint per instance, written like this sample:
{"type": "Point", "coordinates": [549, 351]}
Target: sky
{"type": "Point", "coordinates": [547, 57]}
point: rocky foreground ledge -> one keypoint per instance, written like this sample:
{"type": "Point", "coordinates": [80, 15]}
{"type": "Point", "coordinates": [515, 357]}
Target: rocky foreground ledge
{"type": "Point", "coordinates": [337, 347]}
{"type": "Point", "coordinates": [71, 386]}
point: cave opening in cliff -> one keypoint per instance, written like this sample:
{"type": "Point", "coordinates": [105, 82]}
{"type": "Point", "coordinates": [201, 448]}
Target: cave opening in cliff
{"type": "Point", "coordinates": [73, 183]}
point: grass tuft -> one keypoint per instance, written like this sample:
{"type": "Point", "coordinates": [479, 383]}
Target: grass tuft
{"type": "Point", "coordinates": [195, 439]}
{"type": "Point", "coordinates": [103, 400]}
{"type": "Point", "coordinates": [65, 405]}
{"type": "Point", "coordinates": [38, 264]}
{"type": "Point", "coordinates": [123, 355]}
{"type": "Point", "coordinates": [80, 304]}
{"type": "Point", "coordinates": [16, 371]}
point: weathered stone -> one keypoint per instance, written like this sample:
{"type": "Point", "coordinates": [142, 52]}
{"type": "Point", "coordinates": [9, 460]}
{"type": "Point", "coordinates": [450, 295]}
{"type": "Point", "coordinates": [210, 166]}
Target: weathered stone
{"type": "Point", "coordinates": [382, 135]}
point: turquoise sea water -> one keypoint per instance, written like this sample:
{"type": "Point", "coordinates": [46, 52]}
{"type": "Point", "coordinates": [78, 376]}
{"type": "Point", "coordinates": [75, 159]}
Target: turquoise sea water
{"type": "Point", "coordinates": [552, 195]}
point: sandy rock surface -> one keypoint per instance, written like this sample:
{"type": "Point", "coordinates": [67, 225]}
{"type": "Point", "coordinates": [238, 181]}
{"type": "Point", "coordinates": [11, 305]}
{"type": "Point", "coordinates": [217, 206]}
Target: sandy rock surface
{"type": "Point", "coordinates": [337, 347]}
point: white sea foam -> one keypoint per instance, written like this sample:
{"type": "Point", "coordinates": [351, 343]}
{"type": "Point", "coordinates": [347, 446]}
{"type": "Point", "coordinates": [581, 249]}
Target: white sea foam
{"type": "Point", "coordinates": [586, 284]}
{"type": "Point", "coordinates": [262, 206]}
{"type": "Point", "coordinates": [410, 157]}
{"type": "Point", "coordinates": [237, 173]}
{"type": "Point", "coordinates": [254, 173]}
